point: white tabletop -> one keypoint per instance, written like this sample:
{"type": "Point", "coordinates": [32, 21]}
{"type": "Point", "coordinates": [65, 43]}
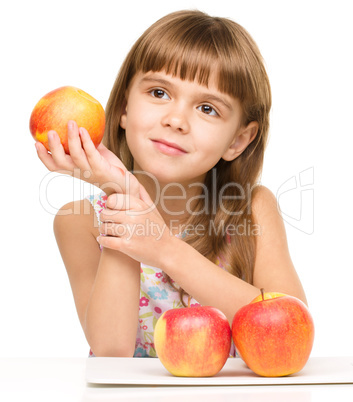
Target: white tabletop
{"type": "Point", "coordinates": [59, 379]}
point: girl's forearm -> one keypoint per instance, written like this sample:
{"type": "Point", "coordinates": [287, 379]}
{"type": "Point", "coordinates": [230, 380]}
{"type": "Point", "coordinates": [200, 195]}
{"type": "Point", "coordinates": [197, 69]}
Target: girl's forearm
{"type": "Point", "coordinates": [205, 281]}
{"type": "Point", "coordinates": [112, 311]}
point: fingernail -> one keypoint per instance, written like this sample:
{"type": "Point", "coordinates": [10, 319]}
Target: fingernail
{"type": "Point", "coordinates": [71, 124]}
{"type": "Point", "coordinates": [98, 238]}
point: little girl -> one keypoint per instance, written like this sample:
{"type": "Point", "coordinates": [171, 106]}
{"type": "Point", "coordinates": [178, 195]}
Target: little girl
{"type": "Point", "coordinates": [181, 215]}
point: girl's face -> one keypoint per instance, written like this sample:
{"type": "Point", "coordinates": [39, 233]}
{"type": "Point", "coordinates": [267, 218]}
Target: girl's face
{"type": "Point", "coordinates": [177, 130]}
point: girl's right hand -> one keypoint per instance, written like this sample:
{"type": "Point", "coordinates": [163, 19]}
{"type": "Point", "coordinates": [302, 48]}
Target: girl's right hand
{"type": "Point", "coordinates": [97, 166]}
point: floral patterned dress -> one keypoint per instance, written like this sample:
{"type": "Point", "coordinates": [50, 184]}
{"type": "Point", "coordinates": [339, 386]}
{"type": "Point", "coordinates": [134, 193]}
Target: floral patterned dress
{"type": "Point", "coordinates": [157, 295]}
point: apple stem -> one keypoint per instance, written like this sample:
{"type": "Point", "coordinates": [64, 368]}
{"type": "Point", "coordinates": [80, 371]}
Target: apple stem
{"type": "Point", "coordinates": [262, 293]}
{"type": "Point", "coordinates": [189, 301]}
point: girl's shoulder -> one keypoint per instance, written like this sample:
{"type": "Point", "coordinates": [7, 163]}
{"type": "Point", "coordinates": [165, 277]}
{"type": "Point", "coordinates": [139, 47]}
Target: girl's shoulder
{"type": "Point", "coordinates": [80, 215]}
{"type": "Point", "coordinates": [266, 212]}
{"type": "Point", "coordinates": [263, 198]}
{"type": "Point", "coordinates": [273, 265]}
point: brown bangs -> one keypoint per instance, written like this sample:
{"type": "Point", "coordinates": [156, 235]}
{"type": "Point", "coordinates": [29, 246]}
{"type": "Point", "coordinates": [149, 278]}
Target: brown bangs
{"type": "Point", "coordinates": [193, 48]}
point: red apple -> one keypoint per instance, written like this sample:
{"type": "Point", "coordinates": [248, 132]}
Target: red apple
{"type": "Point", "coordinates": [56, 108]}
{"type": "Point", "coordinates": [274, 334]}
{"type": "Point", "coordinates": [193, 342]}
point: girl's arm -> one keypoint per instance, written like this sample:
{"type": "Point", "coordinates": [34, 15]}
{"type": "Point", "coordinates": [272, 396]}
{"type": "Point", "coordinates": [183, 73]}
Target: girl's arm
{"type": "Point", "coordinates": [112, 312]}
{"type": "Point", "coordinates": [274, 270]}
{"type": "Point", "coordinates": [204, 280]}
{"type": "Point", "coordinates": [105, 285]}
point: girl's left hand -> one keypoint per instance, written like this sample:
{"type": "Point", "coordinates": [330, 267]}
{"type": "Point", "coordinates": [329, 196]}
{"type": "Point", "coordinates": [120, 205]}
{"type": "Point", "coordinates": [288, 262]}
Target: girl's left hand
{"type": "Point", "coordinates": [134, 227]}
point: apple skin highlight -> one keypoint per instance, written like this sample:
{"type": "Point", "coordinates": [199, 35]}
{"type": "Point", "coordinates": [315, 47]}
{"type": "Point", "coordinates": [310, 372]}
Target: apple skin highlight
{"type": "Point", "coordinates": [193, 342]}
{"type": "Point", "coordinates": [56, 108]}
{"type": "Point", "coordinates": [274, 334]}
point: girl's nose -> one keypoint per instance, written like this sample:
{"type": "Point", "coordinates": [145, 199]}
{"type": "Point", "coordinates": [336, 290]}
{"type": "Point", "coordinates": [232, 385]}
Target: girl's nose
{"type": "Point", "coordinates": [177, 119]}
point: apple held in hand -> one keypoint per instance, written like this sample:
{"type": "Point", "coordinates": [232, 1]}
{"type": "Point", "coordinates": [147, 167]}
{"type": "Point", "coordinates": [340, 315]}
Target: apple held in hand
{"type": "Point", "coordinates": [193, 342]}
{"type": "Point", "coordinates": [56, 108]}
{"type": "Point", "coordinates": [274, 334]}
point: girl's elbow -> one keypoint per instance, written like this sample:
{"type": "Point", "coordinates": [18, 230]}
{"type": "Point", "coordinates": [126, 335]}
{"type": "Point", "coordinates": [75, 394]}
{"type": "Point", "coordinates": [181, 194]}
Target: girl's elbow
{"type": "Point", "coordinates": [113, 351]}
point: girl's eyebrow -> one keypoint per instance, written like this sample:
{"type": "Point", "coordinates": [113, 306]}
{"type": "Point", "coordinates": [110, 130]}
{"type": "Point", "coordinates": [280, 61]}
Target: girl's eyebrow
{"type": "Point", "coordinates": [214, 98]}
{"type": "Point", "coordinates": [207, 95]}
{"type": "Point", "coordinates": [155, 79]}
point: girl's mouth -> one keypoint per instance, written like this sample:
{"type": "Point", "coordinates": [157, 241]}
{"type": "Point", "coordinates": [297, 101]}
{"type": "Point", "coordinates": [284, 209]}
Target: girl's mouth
{"type": "Point", "coordinates": [168, 148]}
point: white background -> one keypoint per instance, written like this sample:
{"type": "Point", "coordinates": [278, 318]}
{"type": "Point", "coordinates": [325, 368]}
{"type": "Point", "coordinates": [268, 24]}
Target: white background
{"type": "Point", "coordinates": [307, 46]}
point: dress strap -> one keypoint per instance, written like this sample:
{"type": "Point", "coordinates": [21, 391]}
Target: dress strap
{"type": "Point", "coordinates": [98, 202]}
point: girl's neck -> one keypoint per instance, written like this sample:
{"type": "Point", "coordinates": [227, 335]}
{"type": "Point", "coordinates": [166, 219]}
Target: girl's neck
{"type": "Point", "coordinates": [175, 201]}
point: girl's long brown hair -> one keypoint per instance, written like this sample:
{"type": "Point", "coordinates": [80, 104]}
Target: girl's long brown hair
{"type": "Point", "coordinates": [193, 45]}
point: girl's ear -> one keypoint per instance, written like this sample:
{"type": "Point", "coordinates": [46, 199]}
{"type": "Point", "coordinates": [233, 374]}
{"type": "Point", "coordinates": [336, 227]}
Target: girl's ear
{"type": "Point", "coordinates": [242, 139]}
{"type": "Point", "coordinates": [123, 117]}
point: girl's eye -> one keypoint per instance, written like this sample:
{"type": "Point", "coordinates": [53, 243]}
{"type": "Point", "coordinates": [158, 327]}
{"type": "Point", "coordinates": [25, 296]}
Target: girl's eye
{"type": "Point", "coordinates": [207, 109]}
{"type": "Point", "coordinates": [159, 93]}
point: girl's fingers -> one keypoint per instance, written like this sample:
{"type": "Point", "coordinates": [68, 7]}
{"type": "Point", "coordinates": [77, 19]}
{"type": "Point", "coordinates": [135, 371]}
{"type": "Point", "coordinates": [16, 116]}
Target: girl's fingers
{"type": "Point", "coordinates": [111, 216]}
{"type": "Point", "coordinates": [45, 157]}
{"type": "Point", "coordinates": [77, 153]}
{"type": "Point", "coordinates": [115, 243]}
{"type": "Point", "coordinates": [115, 173]}
{"type": "Point", "coordinates": [112, 229]}
{"type": "Point", "coordinates": [122, 202]}
{"type": "Point", "coordinates": [93, 156]}
{"type": "Point", "coordinates": [57, 152]}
